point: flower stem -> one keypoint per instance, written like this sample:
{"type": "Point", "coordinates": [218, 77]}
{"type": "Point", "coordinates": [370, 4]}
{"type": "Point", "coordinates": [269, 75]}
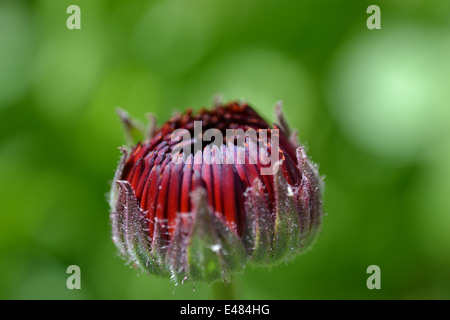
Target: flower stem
{"type": "Point", "coordinates": [223, 291]}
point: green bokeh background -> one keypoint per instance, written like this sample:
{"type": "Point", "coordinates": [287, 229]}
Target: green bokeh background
{"type": "Point", "coordinates": [371, 105]}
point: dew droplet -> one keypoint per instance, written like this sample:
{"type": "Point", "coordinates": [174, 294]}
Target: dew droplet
{"type": "Point", "coordinates": [290, 193]}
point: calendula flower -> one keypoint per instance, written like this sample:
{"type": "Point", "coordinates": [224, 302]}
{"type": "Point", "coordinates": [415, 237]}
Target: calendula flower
{"type": "Point", "coordinates": [209, 192]}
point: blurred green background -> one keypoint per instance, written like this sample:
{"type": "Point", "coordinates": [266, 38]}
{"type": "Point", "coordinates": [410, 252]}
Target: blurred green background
{"type": "Point", "coordinates": [373, 107]}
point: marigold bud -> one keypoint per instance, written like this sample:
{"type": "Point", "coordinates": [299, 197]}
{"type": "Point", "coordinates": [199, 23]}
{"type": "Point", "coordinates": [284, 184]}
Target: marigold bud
{"type": "Point", "coordinates": [252, 197]}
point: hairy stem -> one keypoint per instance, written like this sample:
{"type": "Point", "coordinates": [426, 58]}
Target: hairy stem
{"type": "Point", "coordinates": [224, 291]}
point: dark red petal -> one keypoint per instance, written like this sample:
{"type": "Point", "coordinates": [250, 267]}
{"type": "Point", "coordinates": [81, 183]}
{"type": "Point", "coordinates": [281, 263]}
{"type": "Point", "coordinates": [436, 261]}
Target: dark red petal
{"type": "Point", "coordinates": [143, 179]}
{"type": "Point", "coordinates": [173, 200]}
{"type": "Point", "coordinates": [207, 175]}
{"type": "Point", "coordinates": [229, 197]}
{"type": "Point", "coordinates": [161, 202]}
{"type": "Point", "coordinates": [185, 203]}
{"type": "Point", "coordinates": [217, 179]}
{"type": "Point", "coordinates": [150, 192]}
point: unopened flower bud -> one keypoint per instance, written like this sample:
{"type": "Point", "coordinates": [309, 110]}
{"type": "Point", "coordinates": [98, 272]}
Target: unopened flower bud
{"type": "Point", "coordinates": [207, 193]}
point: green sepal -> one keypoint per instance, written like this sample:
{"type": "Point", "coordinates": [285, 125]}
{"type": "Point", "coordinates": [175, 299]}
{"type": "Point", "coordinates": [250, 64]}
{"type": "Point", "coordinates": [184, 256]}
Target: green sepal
{"type": "Point", "coordinates": [133, 231]}
{"type": "Point", "coordinates": [135, 131]}
{"type": "Point", "coordinates": [287, 233]}
{"type": "Point", "coordinates": [259, 225]}
{"type": "Point", "coordinates": [310, 196]}
{"type": "Point", "coordinates": [214, 251]}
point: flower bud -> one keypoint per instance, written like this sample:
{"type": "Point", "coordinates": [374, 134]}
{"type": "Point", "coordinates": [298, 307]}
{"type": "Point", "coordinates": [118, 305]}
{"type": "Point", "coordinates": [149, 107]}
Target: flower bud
{"type": "Point", "coordinates": [207, 193]}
